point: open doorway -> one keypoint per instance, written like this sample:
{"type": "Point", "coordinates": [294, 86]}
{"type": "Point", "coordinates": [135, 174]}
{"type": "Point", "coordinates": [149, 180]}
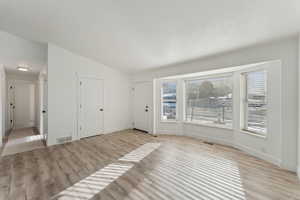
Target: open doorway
{"type": "Point", "coordinates": [24, 111]}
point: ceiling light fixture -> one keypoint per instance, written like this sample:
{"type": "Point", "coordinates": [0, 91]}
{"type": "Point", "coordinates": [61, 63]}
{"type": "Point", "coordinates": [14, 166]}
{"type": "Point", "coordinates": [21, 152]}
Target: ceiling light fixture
{"type": "Point", "coordinates": [23, 69]}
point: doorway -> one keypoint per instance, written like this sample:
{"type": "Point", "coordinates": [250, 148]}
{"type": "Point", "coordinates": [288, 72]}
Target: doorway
{"type": "Point", "coordinates": [91, 107]}
{"type": "Point", "coordinates": [22, 111]}
{"type": "Point", "coordinates": [143, 106]}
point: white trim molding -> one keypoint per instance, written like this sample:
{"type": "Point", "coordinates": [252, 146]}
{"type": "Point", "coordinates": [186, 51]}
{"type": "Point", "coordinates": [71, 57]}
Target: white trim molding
{"type": "Point", "coordinates": [260, 155]}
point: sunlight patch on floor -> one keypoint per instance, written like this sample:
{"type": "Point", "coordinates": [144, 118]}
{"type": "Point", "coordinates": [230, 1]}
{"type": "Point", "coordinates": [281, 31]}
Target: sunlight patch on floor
{"type": "Point", "coordinates": [25, 139]}
{"type": "Point", "coordinates": [93, 184]}
{"type": "Point", "coordinates": [140, 153]}
{"type": "Point", "coordinates": [208, 177]}
{"type": "Point", "coordinates": [23, 144]}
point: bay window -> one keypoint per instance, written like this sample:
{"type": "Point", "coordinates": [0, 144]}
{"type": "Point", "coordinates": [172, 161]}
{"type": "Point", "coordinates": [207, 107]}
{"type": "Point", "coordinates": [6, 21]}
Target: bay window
{"type": "Point", "coordinates": [169, 100]}
{"type": "Point", "coordinates": [255, 102]}
{"type": "Point", "coordinates": [209, 101]}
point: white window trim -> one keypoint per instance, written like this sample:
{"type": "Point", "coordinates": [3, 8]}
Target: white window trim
{"type": "Point", "coordinates": [252, 133]}
{"type": "Point", "coordinates": [244, 98]}
{"type": "Point", "coordinates": [219, 75]}
{"type": "Point", "coordinates": [220, 126]}
{"type": "Point", "coordinates": [161, 101]}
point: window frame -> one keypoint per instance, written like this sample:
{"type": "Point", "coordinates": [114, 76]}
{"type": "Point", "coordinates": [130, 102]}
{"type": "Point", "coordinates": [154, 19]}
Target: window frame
{"type": "Point", "coordinates": [205, 77]}
{"type": "Point", "coordinates": [244, 101]}
{"type": "Point", "coordinates": [161, 100]}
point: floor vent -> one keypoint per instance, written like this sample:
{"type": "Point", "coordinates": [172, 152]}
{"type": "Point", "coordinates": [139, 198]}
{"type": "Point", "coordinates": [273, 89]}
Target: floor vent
{"type": "Point", "coordinates": [209, 143]}
{"type": "Point", "coordinates": [64, 139]}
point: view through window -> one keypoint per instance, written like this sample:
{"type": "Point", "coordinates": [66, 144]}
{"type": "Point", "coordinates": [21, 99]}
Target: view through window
{"type": "Point", "coordinates": [256, 102]}
{"type": "Point", "coordinates": [168, 94]}
{"type": "Point", "coordinates": [209, 101]}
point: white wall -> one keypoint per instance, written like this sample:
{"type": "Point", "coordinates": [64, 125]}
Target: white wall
{"type": "Point", "coordinates": [63, 69]}
{"type": "Point", "coordinates": [15, 51]}
{"type": "Point", "coordinates": [298, 168]}
{"type": "Point", "coordinates": [2, 102]}
{"type": "Point", "coordinates": [285, 50]}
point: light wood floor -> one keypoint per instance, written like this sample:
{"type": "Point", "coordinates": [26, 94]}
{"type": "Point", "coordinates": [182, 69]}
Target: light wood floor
{"type": "Point", "coordinates": [21, 140]}
{"type": "Point", "coordinates": [181, 168]}
{"type": "Point", "coordinates": [21, 133]}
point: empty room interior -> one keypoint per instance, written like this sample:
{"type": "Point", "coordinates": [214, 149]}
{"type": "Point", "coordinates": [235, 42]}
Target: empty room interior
{"type": "Point", "coordinates": [149, 100]}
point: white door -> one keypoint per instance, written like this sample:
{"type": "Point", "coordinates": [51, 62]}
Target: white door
{"type": "Point", "coordinates": [24, 108]}
{"type": "Point", "coordinates": [143, 106]}
{"type": "Point", "coordinates": [91, 107]}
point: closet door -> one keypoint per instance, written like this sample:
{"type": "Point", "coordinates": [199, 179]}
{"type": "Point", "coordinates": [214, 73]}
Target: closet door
{"type": "Point", "coordinates": [91, 107]}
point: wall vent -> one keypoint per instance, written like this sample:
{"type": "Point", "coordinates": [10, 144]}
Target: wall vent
{"type": "Point", "coordinates": [64, 139]}
{"type": "Point", "coordinates": [209, 143]}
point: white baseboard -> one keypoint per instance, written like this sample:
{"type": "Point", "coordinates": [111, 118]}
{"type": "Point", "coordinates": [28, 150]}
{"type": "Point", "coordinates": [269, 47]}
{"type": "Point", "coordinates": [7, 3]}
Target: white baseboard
{"type": "Point", "coordinates": [212, 139]}
{"type": "Point", "coordinates": [112, 130]}
{"type": "Point", "coordinates": [198, 136]}
{"type": "Point", "coordinates": [166, 132]}
{"type": "Point", "coordinates": [260, 155]}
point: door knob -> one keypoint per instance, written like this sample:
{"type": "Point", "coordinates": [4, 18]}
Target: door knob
{"type": "Point", "coordinates": [146, 110]}
{"type": "Point", "coordinates": [101, 109]}
{"type": "Point", "coordinates": [44, 111]}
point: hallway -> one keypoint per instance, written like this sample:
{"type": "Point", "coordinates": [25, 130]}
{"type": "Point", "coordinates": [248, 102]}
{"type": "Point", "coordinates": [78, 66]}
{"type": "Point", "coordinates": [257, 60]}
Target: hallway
{"type": "Point", "coordinates": [21, 140]}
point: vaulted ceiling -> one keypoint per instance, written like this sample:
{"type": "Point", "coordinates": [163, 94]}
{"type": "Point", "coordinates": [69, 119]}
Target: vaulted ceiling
{"type": "Point", "coordinates": [136, 35]}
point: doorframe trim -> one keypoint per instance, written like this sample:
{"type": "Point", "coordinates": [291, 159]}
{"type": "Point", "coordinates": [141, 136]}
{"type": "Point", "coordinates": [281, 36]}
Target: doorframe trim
{"type": "Point", "coordinates": [77, 134]}
{"type": "Point", "coordinates": [42, 82]}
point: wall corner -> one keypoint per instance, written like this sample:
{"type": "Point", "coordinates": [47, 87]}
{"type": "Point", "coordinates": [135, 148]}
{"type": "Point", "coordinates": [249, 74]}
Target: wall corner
{"type": "Point", "coordinates": [298, 144]}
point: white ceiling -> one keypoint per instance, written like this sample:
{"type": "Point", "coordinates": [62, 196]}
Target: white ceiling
{"type": "Point", "coordinates": [142, 34]}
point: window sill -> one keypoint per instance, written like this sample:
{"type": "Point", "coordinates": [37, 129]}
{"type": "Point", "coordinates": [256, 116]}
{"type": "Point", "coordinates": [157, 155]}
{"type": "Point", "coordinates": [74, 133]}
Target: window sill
{"type": "Point", "coordinates": [244, 131]}
{"type": "Point", "coordinates": [169, 121]}
{"type": "Point", "coordinates": [209, 125]}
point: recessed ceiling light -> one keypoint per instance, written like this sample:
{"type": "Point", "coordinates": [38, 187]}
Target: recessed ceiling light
{"type": "Point", "coordinates": [23, 69]}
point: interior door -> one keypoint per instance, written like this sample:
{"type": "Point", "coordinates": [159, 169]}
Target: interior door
{"type": "Point", "coordinates": [91, 107]}
{"type": "Point", "coordinates": [143, 106]}
{"type": "Point", "coordinates": [24, 108]}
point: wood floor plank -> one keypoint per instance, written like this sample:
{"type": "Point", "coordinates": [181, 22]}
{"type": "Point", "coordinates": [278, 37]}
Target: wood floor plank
{"type": "Point", "coordinates": [181, 168]}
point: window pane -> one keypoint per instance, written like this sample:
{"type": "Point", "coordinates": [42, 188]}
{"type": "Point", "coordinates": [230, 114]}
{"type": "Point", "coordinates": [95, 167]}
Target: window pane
{"type": "Point", "coordinates": [209, 101]}
{"type": "Point", "coordinates": [168, 101]}
{"type": "Point", "coordinates": [256, 105]}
